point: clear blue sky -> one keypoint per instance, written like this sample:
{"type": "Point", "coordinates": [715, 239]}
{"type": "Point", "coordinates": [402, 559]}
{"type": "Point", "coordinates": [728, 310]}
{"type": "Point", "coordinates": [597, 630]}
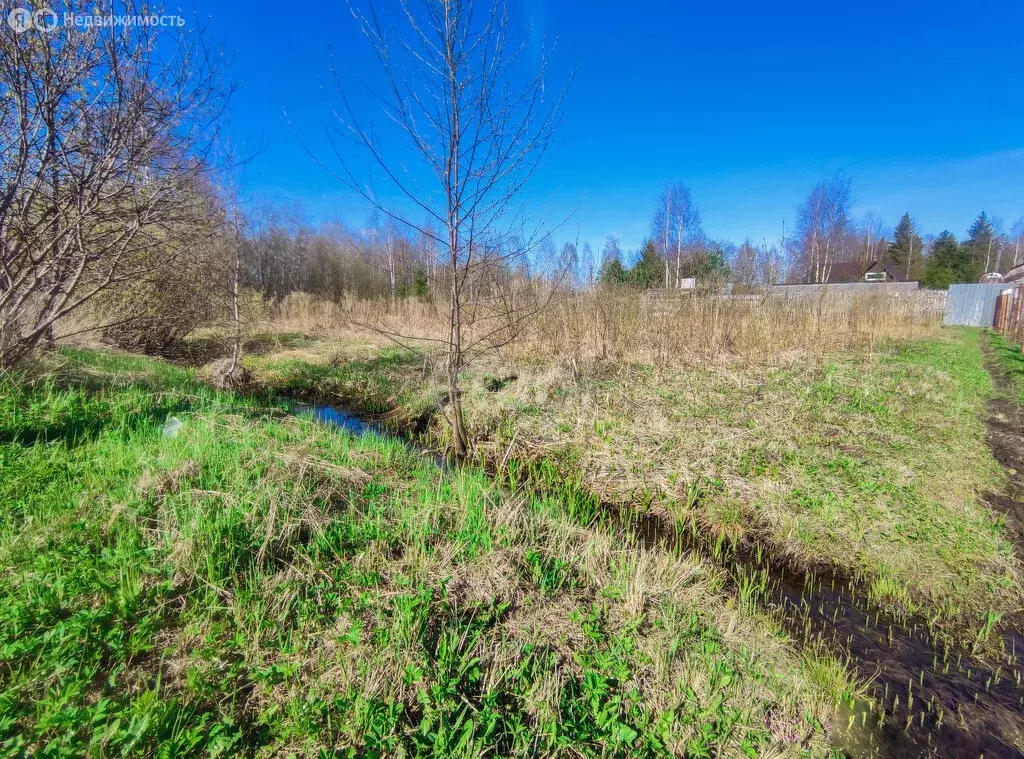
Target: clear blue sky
{"type": "Point", "coordinates": [922, 104]}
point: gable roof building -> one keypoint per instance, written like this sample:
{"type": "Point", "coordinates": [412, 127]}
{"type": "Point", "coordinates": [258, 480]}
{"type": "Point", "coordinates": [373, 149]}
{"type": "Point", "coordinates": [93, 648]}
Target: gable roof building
{"type": "Point", "coordinates": [858, 271]}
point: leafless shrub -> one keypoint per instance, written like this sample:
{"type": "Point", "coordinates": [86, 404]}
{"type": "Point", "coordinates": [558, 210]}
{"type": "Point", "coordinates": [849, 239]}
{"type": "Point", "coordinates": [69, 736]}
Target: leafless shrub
{"type": "Point", "coordinates": [154, 311]}
{"type": "Point", "coordinates": [104, 136]}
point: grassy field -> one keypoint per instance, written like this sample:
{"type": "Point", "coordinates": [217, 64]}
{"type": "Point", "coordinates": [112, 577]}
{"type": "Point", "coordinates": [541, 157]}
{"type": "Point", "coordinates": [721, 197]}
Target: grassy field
{"type": "Point", "coordinates": [252, 582]}
{"type": "Point", "coordinates": [871, 461]}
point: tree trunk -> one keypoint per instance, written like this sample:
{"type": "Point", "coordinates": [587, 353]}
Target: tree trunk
{"type": "Point", "coordinates": [668, 217]}
{"type": "Point", "coordinates": [236, 345]}
{"type": "Point", "coordinates": [460, 438]}
{"type": "Point", "coordinates": [391, 263]}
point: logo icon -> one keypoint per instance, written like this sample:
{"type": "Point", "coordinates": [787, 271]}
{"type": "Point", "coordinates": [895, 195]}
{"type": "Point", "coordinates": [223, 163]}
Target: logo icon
{"type": "Point", "coordinates": [20, 20]}
{"type": "Point", "coordinates": [45, 20]}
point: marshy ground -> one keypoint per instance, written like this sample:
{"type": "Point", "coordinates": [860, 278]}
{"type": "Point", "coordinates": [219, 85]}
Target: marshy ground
{"type": "Point", "coordinates": [785, 558]}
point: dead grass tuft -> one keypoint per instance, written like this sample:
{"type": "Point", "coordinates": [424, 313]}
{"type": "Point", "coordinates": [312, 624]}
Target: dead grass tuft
{"type": "Point", "coordinates": [159, 484]}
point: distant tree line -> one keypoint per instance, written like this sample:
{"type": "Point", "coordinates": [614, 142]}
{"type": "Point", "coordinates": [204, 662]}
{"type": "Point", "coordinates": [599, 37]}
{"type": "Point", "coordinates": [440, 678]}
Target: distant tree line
{"type": "Point", "coordinates": [282, 253]}
{"type": "Point", "coordinates": [706, 262]}
{"type": "Point", "coordinates": [824, 245]}
{"type": "Point", "coordinates": [826, 240]}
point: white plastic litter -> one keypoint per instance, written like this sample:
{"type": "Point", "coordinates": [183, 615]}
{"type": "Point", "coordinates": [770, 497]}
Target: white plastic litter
{"type": "Point", "coordinates": [172, 426]}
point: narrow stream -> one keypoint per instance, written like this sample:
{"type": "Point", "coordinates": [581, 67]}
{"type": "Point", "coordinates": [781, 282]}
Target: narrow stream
{"type": "Point", "coordinates": [928, 698]}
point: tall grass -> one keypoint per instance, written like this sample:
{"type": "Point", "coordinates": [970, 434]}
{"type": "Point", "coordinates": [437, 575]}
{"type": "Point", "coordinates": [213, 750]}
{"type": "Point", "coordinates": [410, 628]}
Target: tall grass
{"type": "Point", "coordinates": [682, 329]}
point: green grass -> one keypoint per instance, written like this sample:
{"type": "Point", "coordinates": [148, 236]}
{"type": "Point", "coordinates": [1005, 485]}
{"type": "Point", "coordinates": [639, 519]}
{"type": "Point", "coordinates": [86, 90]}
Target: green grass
{"type": "Point", "coordinates": [370, 382]}
{"type": "Point", "coordinates": [259, 584]}
{"type": "Point", "coordinates": [1012, 360]}
{"type": "Point", "coordinates": [875, 464]}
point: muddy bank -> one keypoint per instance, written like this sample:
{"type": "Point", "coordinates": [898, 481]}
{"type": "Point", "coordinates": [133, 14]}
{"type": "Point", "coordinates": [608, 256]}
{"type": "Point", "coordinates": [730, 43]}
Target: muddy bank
{"type": "Point", "coordinates": [929, 698]}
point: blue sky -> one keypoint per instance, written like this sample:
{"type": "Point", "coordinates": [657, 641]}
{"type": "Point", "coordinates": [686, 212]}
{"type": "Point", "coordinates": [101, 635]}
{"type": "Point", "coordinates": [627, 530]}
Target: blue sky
{"type": "Point", "coordinates": [749, 103]}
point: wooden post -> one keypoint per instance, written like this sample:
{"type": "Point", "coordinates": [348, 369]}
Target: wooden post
{"type": "Point", "coordinates": [1018, 314]}
{"type": "Point", "coordinates": [999, 322]}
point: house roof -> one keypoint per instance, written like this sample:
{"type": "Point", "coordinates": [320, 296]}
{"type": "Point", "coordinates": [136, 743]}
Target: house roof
{"type": "Point", "coordinates": [1015, 274]}
{"type": "Point", "coordinates": [854, 271]}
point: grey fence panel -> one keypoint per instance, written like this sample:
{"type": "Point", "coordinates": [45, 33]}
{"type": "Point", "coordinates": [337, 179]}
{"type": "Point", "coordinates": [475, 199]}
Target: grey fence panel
{"type": "Point", "coordinates": [844, 288]}
{"type": "Point", "coordinates": [972, 305]}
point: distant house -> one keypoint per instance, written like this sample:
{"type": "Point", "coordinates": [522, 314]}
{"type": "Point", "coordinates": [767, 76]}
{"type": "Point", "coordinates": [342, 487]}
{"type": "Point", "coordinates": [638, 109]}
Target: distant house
{"type": "Point", "coordinates": [859, 271]}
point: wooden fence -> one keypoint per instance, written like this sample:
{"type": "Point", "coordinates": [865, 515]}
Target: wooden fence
{"type": "Point", "coordinates": [1009, 316]}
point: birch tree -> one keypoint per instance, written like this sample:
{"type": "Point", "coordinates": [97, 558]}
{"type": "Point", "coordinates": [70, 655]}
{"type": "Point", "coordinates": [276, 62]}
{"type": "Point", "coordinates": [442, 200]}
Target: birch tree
{"type": "Point", "coordinates": [676, 229]}
{"type": "Point", "coordinates": [1017, 241]}
{"type": "Point", "coordinates": [823, 221]}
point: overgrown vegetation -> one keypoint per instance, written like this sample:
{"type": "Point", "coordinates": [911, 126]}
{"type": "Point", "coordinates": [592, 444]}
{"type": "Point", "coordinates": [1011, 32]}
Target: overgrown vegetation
{"type": "Point", "coordinates": [189, 573]}
{"type": "Point", "coordinates": [871, 463]}
{"type": "Point", "coordinates": [643, 446]}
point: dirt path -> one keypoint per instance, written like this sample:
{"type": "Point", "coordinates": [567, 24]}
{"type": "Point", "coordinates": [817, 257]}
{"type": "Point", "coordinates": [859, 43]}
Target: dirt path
{"type": "Point", "coordinates": [1006, 438]}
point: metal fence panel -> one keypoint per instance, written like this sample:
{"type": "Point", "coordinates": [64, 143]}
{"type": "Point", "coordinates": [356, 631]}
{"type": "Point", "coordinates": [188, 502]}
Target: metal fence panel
{"type": "Point", "coordinates": [972, 305]}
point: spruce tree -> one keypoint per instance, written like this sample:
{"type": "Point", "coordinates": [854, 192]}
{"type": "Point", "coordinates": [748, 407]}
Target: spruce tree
{"type": "Point", "coordinates": [612, 272]}
{"type": "Point", "coordinates": [949, 263]}
{"type": "Point", "coordinates": [906, 249]}
{"type": "Point", "coordinates": [980, 246]}
{"type": "Point", "coordinates": [649, 269]}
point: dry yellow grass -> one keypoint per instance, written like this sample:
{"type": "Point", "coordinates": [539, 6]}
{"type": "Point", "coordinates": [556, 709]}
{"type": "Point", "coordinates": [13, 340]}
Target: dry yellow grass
{"type": "Point", "coordinates": [659, 330]}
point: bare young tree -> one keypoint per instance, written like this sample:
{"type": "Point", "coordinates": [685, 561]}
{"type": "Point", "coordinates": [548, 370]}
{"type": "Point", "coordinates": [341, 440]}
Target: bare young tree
{"type": "Point", "coordinates": [229, 267]}
{"type": "Point", "coordinates": [676, 229]}
{"type": "Point", "coordinates": [103, 140]}
{"type": "Point", "coordinates": [872, 244]}
{"type": "Point", "coordinates": [770, 264]}
{"type": "Point", "coordinates": [823, 221]}
{"type": "Point", "coordinates": [745, 266]}
{"type": "Point", "coordinates": [455, 93]}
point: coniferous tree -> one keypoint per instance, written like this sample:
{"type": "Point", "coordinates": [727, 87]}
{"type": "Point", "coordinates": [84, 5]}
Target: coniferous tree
{"type": "Point", "coordinates": [712, 265]}
{"type": "Point", "coordinates": [612, 271]}
{"type": "Point", "coordinates": [980, 246]}
{"type": "Point", "coordinates": [949, 263]}
{"type": "Point", "coordinates": [906, 251]}
{"type": "Point", "coordinates": [649, 270]}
